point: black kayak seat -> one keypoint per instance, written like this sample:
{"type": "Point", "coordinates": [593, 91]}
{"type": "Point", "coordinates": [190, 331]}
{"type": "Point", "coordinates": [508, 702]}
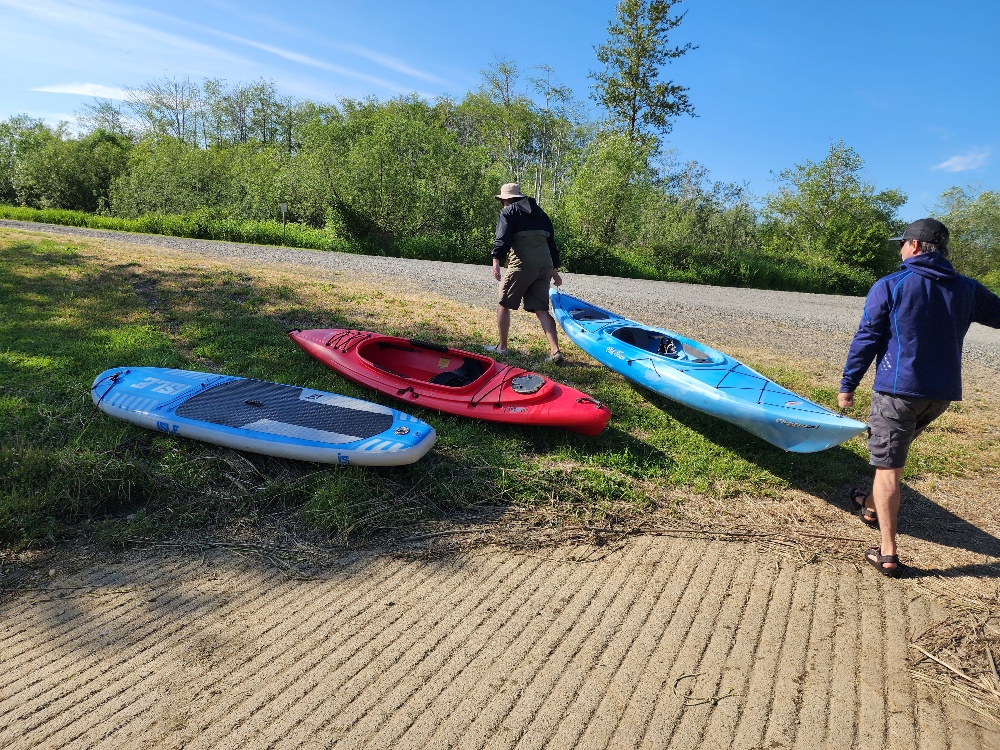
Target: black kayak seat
{"type": "Point", "coordinates": [637, 337]}
{"type": "Point", "coordinates": [651, 341]}
{"type": "Point", "coordinates": [469, 371]}
{"type": "Point", "coordinates": [587, 314]}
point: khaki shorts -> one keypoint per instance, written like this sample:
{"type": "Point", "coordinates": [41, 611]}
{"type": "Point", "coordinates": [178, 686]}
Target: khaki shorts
{"type": "Point", "coordinates": [531, 284]}
{"type": "Point", "coordinates": [895, 421]}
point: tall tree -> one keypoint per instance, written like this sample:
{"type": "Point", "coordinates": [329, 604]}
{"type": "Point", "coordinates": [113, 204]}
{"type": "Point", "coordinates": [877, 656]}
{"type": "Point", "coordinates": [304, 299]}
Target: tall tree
{"type": "Point", "coordinates": [827, 209]}
{"type": "Point", "coordinates": [629, 88]}
{"type": "Point", "coordinates": [104, 114]}
{"type": "Point", "coordinates": [169, 107]}
{"type": "Point", "coordinates": [555, 125]}
{"type": "Point", "coordinates": [512, 123]}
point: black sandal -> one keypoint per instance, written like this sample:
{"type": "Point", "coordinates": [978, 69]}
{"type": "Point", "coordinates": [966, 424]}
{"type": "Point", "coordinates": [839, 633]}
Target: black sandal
{"type": "Point", "coordinates": [878, 561]}
{"type": "Point", "coordinates": [867, 515]}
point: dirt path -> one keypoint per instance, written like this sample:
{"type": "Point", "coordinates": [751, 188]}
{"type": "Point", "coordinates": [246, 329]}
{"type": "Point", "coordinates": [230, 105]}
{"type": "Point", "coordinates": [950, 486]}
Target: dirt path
{"type": "Point", "coordinates": [664, 643]}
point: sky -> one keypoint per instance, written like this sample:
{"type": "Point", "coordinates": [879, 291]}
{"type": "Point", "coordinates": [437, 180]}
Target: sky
{"type": "Point", "coordinates": [912, 86]}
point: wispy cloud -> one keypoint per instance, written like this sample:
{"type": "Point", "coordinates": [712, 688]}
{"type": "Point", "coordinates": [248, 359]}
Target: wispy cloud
{"type": "Point", "coordinates": [391, 63]}
{"type": "Point", "coordinates": [965, 162]}
{"type": "Point", "coordinates": [84, 89]}
{"type": "Point", "coordinates": [301, 59]}
{"type": "Point", "coordinates": [386, 61]}
{"type": "Point", "coordinates": [107, 21]}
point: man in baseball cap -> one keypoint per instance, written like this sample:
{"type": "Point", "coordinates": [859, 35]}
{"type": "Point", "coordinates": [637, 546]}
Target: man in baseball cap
{"type": "Point", "coordinates": [927, 231]}
{"type": "Point", "coordinates": [913, 327]}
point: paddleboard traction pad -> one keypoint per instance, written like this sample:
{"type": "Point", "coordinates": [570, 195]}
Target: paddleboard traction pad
{"type": "Point", "coordinates": [246, 402]}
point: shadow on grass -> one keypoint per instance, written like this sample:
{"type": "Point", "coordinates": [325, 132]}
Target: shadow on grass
{"type": "Point", "coordinates": [830, 474]}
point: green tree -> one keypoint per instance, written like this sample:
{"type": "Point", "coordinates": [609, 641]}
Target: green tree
{"type": "Point", "coordinates": [167, 175]}
{"type": "Point", "coordinates": [700, 225]}
{"type": "Point", "coordinates": [21, 137]}
{"type": "Point", "coordinates": [826, 210]}
{"type": "Point", "coordinates": [73, 173]}
{"type": "Point", "coordinates": [558, 136]}
{"type": "Point", "coordinates": [629, 88]}
{"type": "Point", "coordinates": [169, 107]}
{"type": "Point", "coordinates": [973, 218]}
{"type": "Point", "coordinates": [104, 114]}
{"type": "Point", "coordinates": [505, 120]}
{"type": "Point", "coordinates": [243, 113]}
{"type": "Point", "coordinates": [611, 190]}
{"type": "Point", "coordinates": [395, 171]}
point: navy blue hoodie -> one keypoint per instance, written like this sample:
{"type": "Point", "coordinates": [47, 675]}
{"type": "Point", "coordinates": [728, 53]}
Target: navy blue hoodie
{"type": "Point", "coordinates": [914, 325]}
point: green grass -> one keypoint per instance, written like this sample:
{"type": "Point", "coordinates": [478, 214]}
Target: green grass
{"type": "Point", "coordinates": [68, 311]}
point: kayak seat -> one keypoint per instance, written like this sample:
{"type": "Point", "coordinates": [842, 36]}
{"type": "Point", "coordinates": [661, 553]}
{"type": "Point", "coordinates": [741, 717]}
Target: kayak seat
{"type": "Point", "coordinates": [656, 342]}
{"type": "Point", "coordinates": [470, 371]}
{"type": "Point", "coordinates": [637, 337]}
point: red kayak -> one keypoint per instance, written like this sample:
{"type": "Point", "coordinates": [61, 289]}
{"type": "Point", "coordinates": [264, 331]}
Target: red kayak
{"type": "Point", "coordinates": [452, 381]}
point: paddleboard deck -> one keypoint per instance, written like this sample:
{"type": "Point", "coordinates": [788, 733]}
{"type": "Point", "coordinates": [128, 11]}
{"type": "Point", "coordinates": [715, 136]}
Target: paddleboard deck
{"type": "Point", "coordinates": [262, 417]}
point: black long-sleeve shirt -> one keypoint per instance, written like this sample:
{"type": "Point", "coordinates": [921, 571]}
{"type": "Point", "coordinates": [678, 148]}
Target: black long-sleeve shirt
{"type": "Point", "coordinates": [523, 218]}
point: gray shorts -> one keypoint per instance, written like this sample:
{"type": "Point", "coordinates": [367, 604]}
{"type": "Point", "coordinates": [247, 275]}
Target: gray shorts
{"type": "Point", "coordinates": [895, 421]}
{"type": "Point", "coordinates": [530, 283]}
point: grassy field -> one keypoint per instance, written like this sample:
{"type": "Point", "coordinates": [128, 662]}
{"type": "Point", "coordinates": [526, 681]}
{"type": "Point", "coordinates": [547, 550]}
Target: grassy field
{"type": "Point", "coordinates": [69, 310]}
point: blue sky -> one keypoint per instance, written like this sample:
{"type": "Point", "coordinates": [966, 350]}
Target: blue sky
{"type": "Point", "coordinates": [911, 86]}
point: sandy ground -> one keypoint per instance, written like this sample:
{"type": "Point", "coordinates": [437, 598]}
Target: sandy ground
{"type": "Point", "coordinates": [654, 642]}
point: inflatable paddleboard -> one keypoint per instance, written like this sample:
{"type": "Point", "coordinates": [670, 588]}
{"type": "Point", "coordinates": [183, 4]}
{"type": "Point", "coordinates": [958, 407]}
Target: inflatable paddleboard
{"type": "Point", "coordinates": [262, 417]}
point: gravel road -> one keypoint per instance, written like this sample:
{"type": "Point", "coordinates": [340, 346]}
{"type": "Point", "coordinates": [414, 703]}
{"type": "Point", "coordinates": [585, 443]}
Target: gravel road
{"type": "Point", "coordinates": [789, 321]}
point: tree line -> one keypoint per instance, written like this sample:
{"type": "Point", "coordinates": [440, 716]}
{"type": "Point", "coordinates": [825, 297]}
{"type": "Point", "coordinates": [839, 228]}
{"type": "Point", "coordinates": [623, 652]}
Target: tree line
{"type": "Point", "coordinates": [406, 174]}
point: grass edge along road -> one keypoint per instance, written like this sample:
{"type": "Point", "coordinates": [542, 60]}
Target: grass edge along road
{"type": "Point", "coordinates": [71, 309]}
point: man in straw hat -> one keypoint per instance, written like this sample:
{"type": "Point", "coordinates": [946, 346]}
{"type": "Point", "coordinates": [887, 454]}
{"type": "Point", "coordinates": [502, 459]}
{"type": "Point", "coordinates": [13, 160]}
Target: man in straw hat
{"type": "Point", "coordinates": [913, 327]}
{"type": "Point", "coordinates": [524, 239]}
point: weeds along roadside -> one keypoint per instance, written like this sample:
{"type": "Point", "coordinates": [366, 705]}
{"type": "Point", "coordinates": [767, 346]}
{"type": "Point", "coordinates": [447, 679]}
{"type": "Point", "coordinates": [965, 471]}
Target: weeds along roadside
{"type": "Point", "coordinates": [69, 310]}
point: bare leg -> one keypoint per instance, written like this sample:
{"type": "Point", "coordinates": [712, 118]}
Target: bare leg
{"type": "Point", "coordinates": [503, 325]}
{"type": "Point", "coordinates": [885, 493]}
{"type": "Point", "coordinates": [549, 326]}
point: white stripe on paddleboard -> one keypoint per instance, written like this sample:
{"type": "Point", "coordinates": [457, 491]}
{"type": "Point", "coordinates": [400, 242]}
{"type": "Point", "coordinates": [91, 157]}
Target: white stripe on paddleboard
{"type": "Point", "coordinates": [272, 427]}
{"type": "Point", "coordinates": [126, 402]}
{"type": "Point", "coordinates": [345, 402]}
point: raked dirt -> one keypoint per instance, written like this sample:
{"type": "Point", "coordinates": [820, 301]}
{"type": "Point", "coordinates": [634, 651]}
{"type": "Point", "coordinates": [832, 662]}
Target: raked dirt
{"type": "Point", "coordinates": [663, 643]}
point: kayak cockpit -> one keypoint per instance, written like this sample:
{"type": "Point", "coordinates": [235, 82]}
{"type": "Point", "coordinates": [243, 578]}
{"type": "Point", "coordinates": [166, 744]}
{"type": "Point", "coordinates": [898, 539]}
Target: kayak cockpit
{"type": "Point", "coordinates": [658, 342]}
{"type": "Point", "coordinates": [412, 361]}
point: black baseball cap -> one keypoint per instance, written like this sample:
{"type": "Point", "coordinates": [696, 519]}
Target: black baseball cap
{"type": "Point", "coordinates": [926, 230]}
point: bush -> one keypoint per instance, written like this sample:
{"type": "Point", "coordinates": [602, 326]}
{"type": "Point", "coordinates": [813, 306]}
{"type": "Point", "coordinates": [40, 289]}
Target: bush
{"type": "Point", "coordinates": [992, 281]}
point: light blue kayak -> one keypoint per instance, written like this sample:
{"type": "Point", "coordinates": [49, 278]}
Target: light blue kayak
{"type": "Point", "coordinates": [262, 417]}
{"type": "Point", "coordinates": [702, 378]}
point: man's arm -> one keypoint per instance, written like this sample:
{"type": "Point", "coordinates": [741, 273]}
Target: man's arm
{"type": "Point", "coordinates": [504, 238]}
{"type": "Point", "coordinates": [987, 310]}
{"type": "Point", "coordinates": [872, 332]}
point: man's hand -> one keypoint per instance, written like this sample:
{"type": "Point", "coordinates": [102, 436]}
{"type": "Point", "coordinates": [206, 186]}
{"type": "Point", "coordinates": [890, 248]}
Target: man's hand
{"type": "Point", "coordinates": [496, 269]}
{"type": "Point", "coordinates": [556, 278]}
{"type": "Point", "coordinates": [845, 400]}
